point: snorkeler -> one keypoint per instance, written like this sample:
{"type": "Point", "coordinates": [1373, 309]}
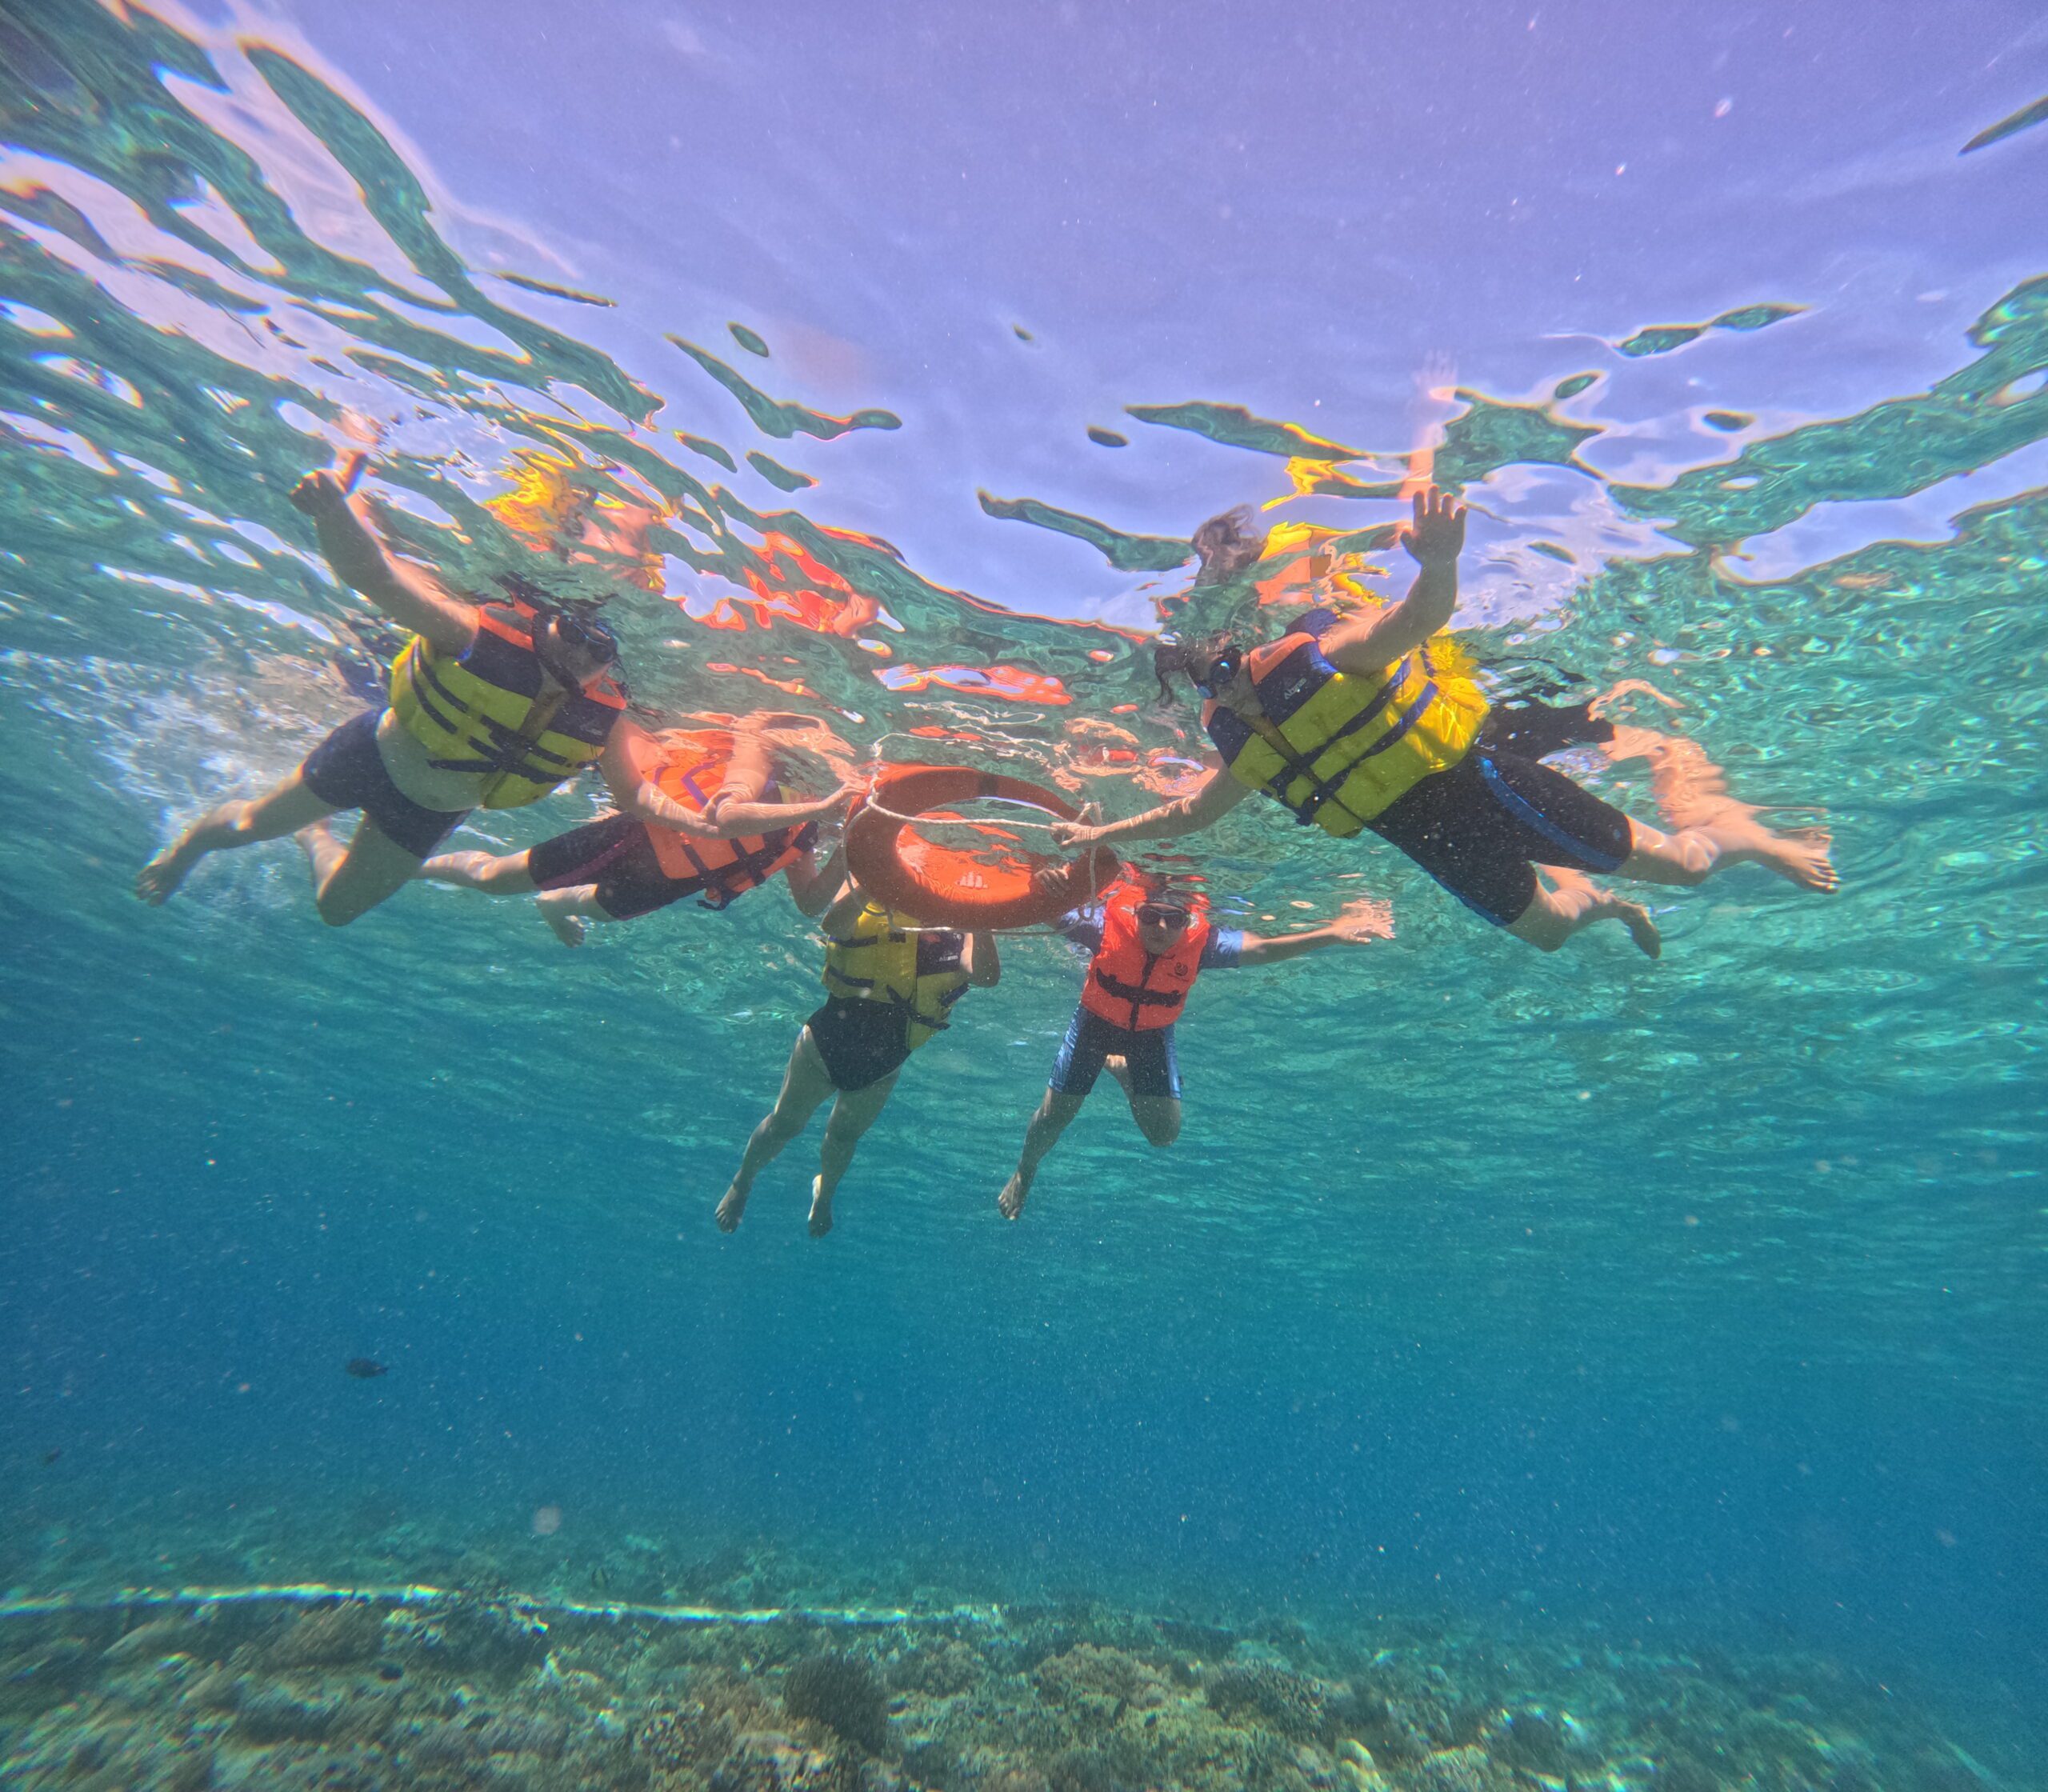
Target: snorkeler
{"type": "Point", "coordinates": [891, 985]}
{"type": "Point", "coordinates": [492, 704]}
{"type": "Point", "coordinates": [1376, 725]}
{"type": "Point", "coordinates": [698, 814]}
{"type": "Point", "coordinates": [1150, 944]}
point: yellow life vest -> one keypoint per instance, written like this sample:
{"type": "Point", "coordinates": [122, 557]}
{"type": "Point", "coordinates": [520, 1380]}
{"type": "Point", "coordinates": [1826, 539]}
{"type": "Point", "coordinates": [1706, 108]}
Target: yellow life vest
{"type": "Point", "coordinates": [483, 711]}
{"type": "Point", "coordinates": [1337, 748]}
{"type": "Point", "coordinates": [880, 958]}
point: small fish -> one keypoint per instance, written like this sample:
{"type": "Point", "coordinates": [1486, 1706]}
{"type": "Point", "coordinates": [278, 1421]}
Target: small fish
{"type": "Point", "coordinates": [49, 1456]}
{"type": "Point", "coordinates": [365, 1368]}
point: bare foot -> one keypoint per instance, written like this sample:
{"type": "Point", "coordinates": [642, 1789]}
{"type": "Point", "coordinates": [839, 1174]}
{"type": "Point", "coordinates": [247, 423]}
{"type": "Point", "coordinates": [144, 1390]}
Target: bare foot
{"type": "Point", "coordinates": [732, 1209]}
{"type": "Point", "coordinates": [568, 928]}
{"type": "Point", "coordinates": [1011, 1200]}
{"type": "Point", "coordinates": [158, 880]}
{"type": "Point", "coordinates": [1800, 857]}
{"type": "Point", "coordinates": [1119, 1067]}
{"type": "Point", "coordinates": [820, 1208]}
{"type": "Point", "coordinates": [1641, 930]}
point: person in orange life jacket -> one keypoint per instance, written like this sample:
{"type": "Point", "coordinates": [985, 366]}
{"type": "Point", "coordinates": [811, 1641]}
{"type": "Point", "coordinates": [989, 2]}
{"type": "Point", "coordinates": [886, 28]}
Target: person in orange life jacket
{"type": "Point", "coordinates": [891, 984]}
{"type": "Point", "coordinates": [1150, 946]}
{"type": "Point", "coordinates": [676, 790]}
{"type": "Point", "coordinates": [1364, 729]}
{"type": "Point", "coordinates": [524, 690]}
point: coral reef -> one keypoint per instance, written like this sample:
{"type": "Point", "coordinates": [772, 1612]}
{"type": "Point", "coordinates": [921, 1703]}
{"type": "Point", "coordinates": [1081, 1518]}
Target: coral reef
{"type": "Point", "coordinates": [1281, 1700]}
{"type": "Point", "coordinates": [471, 1688]}
{"type": "Point", "coordinates": [845, 1695]}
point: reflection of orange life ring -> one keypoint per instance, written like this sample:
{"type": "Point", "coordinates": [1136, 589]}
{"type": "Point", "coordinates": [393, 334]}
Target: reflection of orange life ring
{"type": "Point", "coordinates": [950, 889]}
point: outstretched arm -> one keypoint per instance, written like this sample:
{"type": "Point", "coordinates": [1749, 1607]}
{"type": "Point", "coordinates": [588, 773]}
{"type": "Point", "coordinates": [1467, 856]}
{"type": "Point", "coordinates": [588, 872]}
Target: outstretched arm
{"type": "Point", "coordinates": [734, 808]}
{"type": "Point", "coordinates": [1434, 540]}
{"type": "Point", "coordinates": [408, 596]}
{"type": "Point", "coordinates": [1356, 924]}
{"type": "Point", "coordinates": [1218, 795]}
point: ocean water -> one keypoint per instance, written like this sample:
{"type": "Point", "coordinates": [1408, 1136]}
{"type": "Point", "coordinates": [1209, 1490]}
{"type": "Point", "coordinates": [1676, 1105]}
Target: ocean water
{"type": "Point", "coordinates": [1524, 1369]}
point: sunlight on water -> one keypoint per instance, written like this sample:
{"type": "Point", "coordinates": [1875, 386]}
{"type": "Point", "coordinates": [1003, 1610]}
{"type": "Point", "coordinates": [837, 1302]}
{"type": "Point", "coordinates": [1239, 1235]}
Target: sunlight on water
{"type": "Point", "coordinates": [1569, 1318]}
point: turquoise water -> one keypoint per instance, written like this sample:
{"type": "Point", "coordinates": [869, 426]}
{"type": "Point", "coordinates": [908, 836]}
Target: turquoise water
{"type": "Point", "coordinates": [1576, 1300]}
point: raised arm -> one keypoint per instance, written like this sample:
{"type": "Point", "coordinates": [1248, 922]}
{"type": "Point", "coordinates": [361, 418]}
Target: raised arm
{"type": "Point", "coordinates": [811, 884]}
{"type": "Point", "coordinates": [409, 597]}
{"type": "Point", "coordinates": [1433, 540]}
{"type": "Point", "coordinates": [1356, 924]}
{"type": "Point", "coordinates": [981, 961]}
{"type": "Point", "coordinates": [1219, 793]}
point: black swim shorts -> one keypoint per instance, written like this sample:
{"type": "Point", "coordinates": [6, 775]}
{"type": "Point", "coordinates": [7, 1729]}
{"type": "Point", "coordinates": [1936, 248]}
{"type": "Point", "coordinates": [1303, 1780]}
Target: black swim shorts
{"type": "Point", "coordinates": [861, 1042]}
{"type": "Point", "coordinates": [347, 771]}
{"type": "Point", "coordinates": [617, 855]}
{"type": "Point", "coordinates": [1481, 829]}
{"type": "Point", "coordinates": [1148, 1051]}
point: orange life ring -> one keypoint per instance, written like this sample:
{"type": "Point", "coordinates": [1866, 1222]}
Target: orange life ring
{"type": "Point", "coordinates": [950, 889]}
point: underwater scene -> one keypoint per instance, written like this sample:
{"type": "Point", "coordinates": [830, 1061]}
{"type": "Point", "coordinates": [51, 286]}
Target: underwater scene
{"type": "Point", "coordinates": [661, 659]}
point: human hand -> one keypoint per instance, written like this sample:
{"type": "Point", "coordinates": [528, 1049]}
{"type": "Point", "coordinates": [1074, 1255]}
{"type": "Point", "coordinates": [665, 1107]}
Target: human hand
{"type": "Point", "coordinates": [319, 494]}
{"type": "Point", "coordinates": [1078, 833]}
{"type": "Point", "coordinates": [1367, 918]}
{"type": "Point", "coordinates": [1436, 535]}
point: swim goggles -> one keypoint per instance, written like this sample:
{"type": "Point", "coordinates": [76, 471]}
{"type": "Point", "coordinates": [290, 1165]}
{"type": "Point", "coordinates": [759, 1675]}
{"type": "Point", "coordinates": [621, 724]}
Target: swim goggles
{"type": "Point", "coordinates": [1158, 915]}
{"type": "Point", "coordinates": [1221, 670]}
{"type": "Point", "coordinates": [589, 638]}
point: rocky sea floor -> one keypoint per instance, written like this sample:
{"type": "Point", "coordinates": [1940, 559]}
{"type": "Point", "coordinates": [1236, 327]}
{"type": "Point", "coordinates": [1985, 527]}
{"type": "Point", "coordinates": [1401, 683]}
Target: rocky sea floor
{"type": "Point", "coordinates": [739, 1670]}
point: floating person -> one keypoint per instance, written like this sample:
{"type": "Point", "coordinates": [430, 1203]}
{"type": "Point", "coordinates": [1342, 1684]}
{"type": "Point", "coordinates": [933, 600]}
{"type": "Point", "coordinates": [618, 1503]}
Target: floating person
{"type": "Point", "coordinates": [891, 985]}
{"type": "Point", "coordinates": [491, 704]}
{"type": "Point", "coordinates": [699, 813]}
{"type": "Point", "coordinates": [1376, 725]}
{"type": "Point", "coordinates": [1150, 944]}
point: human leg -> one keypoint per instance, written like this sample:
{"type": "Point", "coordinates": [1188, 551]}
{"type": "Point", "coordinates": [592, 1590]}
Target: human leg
{"type": "Point", "coordinates": [1572, 901]}
{"type": "Point", "coordinates": [284, 809]}
{"type": "Point", "coordinates": [495, 874]}
{"type": "Point", "coordinates": [1151, 1079]}
{"type": "Point", "coordinates": [1694, 853]}
{"type": "Point", "coordinates": [1159, 1118]}
{"type": "Point", "coordinates": [350, 880]}
{"type": "Point", "coordinates": [852, 1114]}
{"type": "Point", "coordinates": [1040, 1137]}
{"type": "Point", "coordinates": [805, 1083]}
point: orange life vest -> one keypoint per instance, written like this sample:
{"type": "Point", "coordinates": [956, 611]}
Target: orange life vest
{"type": "Point", "coordinates": [1129, 987]}
{"type": "Point", "coordinates": [726, 869]}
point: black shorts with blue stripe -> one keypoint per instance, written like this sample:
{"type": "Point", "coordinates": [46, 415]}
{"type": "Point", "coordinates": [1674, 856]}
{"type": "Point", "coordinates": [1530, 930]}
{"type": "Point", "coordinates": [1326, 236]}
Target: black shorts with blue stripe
{"type": "Point", "coordinates": [1482, 828]}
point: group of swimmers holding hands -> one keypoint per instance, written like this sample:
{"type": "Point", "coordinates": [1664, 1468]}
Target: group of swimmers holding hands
{"type": "Point", "coordinates": [1367, 720]}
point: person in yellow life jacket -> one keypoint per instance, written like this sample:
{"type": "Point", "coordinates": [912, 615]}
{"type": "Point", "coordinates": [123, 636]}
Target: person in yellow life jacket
{"type": "Point", "coordinates": [698, 813]}
{"type": "Point", "coordinates": [890, 986]}
{"type": "Point", "coordinates": [491, 704]}
{"type": "Point", "coordinates": [1376, 726]}
{"type": "Point", "coordinates": [1150, 943]}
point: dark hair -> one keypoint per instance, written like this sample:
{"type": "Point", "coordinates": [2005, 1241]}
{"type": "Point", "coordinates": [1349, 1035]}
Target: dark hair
{"type": "Point", "coordinates": [1191, 659]}
{"type": "Point", "coordinates": [1226, 545]}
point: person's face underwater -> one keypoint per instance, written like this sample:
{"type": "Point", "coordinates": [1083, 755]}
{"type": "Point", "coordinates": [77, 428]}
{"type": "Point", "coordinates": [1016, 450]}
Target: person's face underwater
{"type": "Point", "coordinates": [575, 652]}
{"type": "Point", "coordinates": [1160, 926]}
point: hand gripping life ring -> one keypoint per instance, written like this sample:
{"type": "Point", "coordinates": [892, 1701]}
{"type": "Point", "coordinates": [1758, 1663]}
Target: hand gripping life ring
{"type": "Point", "coordinates": [950, 889]}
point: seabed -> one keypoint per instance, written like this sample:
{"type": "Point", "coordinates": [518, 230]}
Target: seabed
{"type": "Point", "coordinates": [480, 1685]}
